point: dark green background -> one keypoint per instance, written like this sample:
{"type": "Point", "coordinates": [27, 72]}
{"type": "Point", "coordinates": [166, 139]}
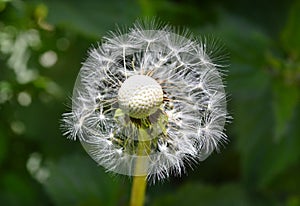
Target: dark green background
{"type": "Point", "coordinates": [260, 165]}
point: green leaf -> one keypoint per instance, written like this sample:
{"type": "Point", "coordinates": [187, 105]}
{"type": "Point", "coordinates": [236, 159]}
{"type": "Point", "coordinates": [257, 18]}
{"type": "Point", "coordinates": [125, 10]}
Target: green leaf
{"type": "Point", "coordinates": [92, 17]}
{"type": "Point", "coordinates": [252, 100]}
{"type": "Point", "coordinates": [3, 145]}
{"type": "Point", "coordinates": [286, 150]}
{"type": "Point", "coordinates": [253, 126]}
{"type": "Point", "coordinates": [291, 33]}
{"type": "Point", "coordinates": [16, 190]}
{"type": "Point", "coordinates": [286, 98]}
{"type": "Point", "coordinates": [76, 180]}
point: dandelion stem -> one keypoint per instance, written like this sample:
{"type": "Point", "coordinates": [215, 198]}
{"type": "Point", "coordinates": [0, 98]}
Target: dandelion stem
{"type": "Point", "coordinates": [138, 191]}
{"type": "Point", "coordinates": [140, 179]}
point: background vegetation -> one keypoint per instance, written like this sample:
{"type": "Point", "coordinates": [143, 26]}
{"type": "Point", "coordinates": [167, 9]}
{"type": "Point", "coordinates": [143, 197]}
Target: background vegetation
{"type": "Point", "coordinates": [42, 45]}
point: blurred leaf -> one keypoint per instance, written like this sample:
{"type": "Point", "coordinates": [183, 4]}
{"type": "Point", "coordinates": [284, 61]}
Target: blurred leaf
{"type": "Point", "coordinates": [199, 194]}
{"type": "Point", "coordinates": [17, 190]}
{"type": "Point", "coordinates": [253, 124]}
{"type": "Point", "coordinates": [293, 201]}
{"type": "Point", "coordinates": [285, 88]}
{"type": "Point", "coordinates": [76, 180]}
{"type": "Point", "coordinates": [291, 33]}
{"type": "Point", "coordinates": [92, 17]}
{"type": "Point", "coordinates": [287, 183]}
{"type": "Point", "coordinates": [262, 158]}
{"type": "Point", "coordinates": [286, 98]}
{"type": "Point", "coordinates": [3, 145]}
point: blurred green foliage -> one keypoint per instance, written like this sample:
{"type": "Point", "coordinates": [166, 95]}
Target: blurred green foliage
{"type": "Point", "coordinates": [42, 45]}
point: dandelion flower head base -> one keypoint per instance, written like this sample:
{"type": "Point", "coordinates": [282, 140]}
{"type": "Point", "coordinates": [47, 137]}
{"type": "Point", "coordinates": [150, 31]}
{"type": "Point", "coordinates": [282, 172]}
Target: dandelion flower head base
{"type": "Point", "coordinates": [140, 96]}
{"type": "Point", "coordinates": [151, 96]}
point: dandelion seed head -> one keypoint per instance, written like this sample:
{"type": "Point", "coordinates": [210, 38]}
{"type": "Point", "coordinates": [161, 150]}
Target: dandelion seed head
{"type": "Point", "coordinates": [149, 81]}
{"type": "Point", "coordinates": [140, 96]}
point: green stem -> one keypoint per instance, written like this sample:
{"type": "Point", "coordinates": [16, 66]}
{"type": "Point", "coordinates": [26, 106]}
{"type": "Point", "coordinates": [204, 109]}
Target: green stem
{"type": "Point", "coordinates": [140, 178]}
{"type": "Point", "coordinates": [138, 191]}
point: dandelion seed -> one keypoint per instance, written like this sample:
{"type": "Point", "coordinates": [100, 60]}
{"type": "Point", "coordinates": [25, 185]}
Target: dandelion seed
{"type": "Point", "coordinates": [149, 94]}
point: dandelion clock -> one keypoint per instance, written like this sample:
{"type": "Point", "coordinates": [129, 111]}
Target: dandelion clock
{"type": "Point", "coordinates": [148, 103]}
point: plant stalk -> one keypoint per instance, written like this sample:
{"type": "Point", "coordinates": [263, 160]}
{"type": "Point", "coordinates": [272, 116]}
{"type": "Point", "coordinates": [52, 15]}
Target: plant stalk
{"type": "Point", "coordinates": [138, 191]}
{"type": "Point", "coordinates": [140, 178]}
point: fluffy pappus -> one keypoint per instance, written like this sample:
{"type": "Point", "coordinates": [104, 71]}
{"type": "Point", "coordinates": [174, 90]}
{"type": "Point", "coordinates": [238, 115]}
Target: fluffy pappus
{"type": "Point", "coordinates": [181, 126]}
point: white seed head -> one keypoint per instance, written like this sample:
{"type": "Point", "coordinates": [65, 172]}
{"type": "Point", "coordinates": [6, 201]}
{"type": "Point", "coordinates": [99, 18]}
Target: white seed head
{"type": "Point", "coordinates": [140, 96]}
{"type": "Point", "coordinates": [149, 82]}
